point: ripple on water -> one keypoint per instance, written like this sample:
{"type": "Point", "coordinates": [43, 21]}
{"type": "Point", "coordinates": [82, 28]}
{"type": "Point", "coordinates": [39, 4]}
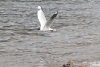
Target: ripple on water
{"type": "Point", "coordinates": [76, 38]}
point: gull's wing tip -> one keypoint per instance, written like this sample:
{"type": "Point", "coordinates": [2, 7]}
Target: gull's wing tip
{"type": "Point", "coordinates": [56, 12]}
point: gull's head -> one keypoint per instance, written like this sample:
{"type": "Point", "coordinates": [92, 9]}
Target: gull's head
{"type": "Point", "coordinates": [39, 8]}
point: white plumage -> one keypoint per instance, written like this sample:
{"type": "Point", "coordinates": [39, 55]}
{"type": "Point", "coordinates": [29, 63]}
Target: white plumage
{"type": "Point", "coordinates": [45, 25]}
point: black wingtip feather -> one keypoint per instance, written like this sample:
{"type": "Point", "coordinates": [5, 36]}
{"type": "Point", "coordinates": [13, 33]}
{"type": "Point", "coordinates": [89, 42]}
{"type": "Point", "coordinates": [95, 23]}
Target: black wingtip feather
{"type": "Point", "coordinates": [54, 15]}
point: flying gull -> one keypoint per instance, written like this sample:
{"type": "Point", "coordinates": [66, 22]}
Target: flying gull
{"type": "Point", "coordinates": [45, 25]}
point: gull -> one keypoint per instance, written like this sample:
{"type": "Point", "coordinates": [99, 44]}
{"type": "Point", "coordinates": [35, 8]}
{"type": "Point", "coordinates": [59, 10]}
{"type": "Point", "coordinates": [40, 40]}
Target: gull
{"type": "Point", "coordinates": [44, 24]}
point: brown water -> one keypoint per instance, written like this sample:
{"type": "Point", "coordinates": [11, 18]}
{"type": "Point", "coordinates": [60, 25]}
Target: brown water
{"type": "Point", "coordinates": [77, 37]}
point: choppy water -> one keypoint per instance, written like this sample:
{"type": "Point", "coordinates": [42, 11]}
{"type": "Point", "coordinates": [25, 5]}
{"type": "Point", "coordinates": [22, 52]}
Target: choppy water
{"type": "Point", "coordinates": [77, 37]}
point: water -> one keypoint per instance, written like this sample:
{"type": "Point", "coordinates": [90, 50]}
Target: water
{"type": "Point", "coordinates": [77, 37]}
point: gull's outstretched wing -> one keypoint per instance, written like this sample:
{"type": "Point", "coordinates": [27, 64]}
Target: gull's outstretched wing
{"type": "Point", "coordinates": [49, 22]}
{"type": "Point", "coordinates": [41, 17]}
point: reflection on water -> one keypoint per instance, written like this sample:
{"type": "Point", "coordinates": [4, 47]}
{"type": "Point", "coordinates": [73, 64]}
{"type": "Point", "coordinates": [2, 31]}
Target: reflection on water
{"type": "Point", "coordinates": [23, 45]}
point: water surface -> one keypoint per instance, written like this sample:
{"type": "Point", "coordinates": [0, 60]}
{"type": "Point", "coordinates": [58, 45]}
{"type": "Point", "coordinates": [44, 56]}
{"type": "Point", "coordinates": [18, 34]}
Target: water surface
{"type": "Point", "coordinates": [77, 37]}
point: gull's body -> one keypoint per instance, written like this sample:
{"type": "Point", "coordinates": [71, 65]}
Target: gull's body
{"type": "Point", "coordinates": [45, 25]}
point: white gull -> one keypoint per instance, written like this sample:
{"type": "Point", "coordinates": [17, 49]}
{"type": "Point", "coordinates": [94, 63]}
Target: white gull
{"type": "Point", "coordinates": [45, 25]}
